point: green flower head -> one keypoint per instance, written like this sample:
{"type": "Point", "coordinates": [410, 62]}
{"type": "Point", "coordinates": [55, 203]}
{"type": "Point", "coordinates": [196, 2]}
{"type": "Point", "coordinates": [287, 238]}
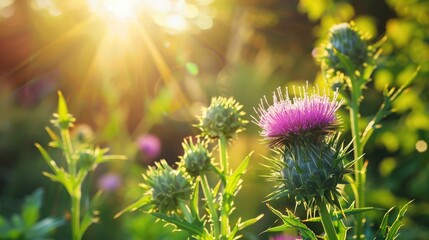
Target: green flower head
{"type": "Point", "coordinates": [222, 118]}
{"type": "Point", "coordinates": [310, 171]}
{"type": "Point", "coordinates": [345, 41]}
{"type": "Point", "coordinates": [167, 186]}
{"type": "Point", "coordinates": [196, 158]}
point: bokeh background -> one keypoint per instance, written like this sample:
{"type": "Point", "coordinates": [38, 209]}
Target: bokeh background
{"type": "Point", "coordinates": [136, 73]}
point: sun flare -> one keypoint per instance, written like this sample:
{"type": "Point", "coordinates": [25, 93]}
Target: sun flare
{"type": "Point", "coordinates": [113, 9]}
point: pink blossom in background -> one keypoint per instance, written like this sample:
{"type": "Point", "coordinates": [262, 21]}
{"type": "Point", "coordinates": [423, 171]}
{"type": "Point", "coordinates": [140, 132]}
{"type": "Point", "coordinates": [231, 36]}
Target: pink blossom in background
{"type": "Point", "coordinates": [149, 145]}
{"type": "Point", "coordinates": [109, 182]}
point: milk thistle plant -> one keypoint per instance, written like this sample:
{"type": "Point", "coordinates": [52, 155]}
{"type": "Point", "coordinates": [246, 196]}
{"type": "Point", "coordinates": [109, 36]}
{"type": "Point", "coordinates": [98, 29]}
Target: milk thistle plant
{"type": "Point", "coordinates": [173, 195]}
{"type": "Point", "coordinates": [81, 157]}
{"type": "Point", "coordinates": [309, 163]}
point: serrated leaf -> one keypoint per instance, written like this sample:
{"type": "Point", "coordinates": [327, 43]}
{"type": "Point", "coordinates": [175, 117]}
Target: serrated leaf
{"type": "Point", "coordinates": [292, 221]}
{"type": "Point", "coordinates": [248, 222]}
{"type": "Point", "coordinates": [338, 215]}
{"type": "Point", "coordinates": [387, 232]}
{"type": "Point", "coordinates": [341, 230]}
{"type": "Point", "coordinates": [191, 228]}
{"type": "Point", "coordinates": [382, 231]}
{"type": "Point", "coordinates": [234, 179]}
{"type": "Point", "coordinates": [144, 201]}
{"type": "Point", "coordinates": [233, 184]}
{"type": "Point", "coordinates": [397, 224]}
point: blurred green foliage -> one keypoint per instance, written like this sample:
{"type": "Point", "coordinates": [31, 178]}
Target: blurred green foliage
{"type": "Point", "coordinates": [27, 224]}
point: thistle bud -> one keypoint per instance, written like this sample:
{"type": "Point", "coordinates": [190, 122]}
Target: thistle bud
{"type": "Point", "coordinates": [87, 159]}
{"type": "Point", "coordinates": [167, 186]}
{"type": "Point", "coordinates": [313, 171]}
{"type": "Point", "coordinates": [196, 158]}
{"type": "Point", "coordinates": [346, 40]}
{"type": "Point", "coordinates": [222, 118]}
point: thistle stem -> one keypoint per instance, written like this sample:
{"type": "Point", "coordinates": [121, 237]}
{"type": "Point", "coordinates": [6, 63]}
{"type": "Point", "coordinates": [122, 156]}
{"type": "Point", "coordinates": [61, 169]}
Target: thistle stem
{"type": "Point", "coordinates": [75, 214]}
{"type": "Point", "coordinates": [328, 226]}
{"type": "Point", "coordinates": [358, 151]}
{"type": "Point", "coordinates": [75, 193]}
{"type": "Point", "coordinates": [224, 166]}
{"type": "Point", "coordinates": [222, 155]}
{"type": "Point", "coordinates": [68, 151]}
{"type": "Point", "coordinates": [210, 203]}
{"type": "Point", "coordinates": [186, 212]}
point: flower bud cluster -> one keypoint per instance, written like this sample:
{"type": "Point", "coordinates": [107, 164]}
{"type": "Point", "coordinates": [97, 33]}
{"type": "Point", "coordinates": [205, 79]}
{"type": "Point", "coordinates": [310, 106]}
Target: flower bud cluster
{"type": "Point", "coordinates": [170, 187]}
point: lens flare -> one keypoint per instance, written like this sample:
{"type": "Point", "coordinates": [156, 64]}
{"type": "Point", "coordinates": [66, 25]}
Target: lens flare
{"type": "Point", "coordinates": [113, 9]}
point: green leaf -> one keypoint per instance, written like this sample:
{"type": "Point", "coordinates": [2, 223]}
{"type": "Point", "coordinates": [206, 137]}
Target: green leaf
{"type": "Point", "coordinates": [191, 228]}
{"type": "Point", "coordinates": [233, 184]}
{"type": "Point", "coordinates": [31, 207]}
{"type": "Point", "coordinates": [56, 142]}
{"type": "Point", "coordinates": [387, 232]}
{"type": "Point", "coordinates": [341, 230]}
{"type": "Point", "coordinates": [194, 202]}
{"type": "Point", "coordinates": [51, 163]}
{"type": "Point", "coordinates": [43, 228]}
{"type": "Point", "coordinates": [397, 224]}
{"type": "Point", "coordinates": [347, 63]}
{"type": "Point", "coordinates": [87, 220]}
{"type": "Point", "coordinates": [338, 215]}
{"type": "Point", "coordinates": [62, 107]}
{"type": "Point", "coordinates": [234, 179]}
{"type": "Point", "coordinates": [242, 225]}
{"type": "Point", "coordinates": [144, 201]}
{"type": "Point", "coordinates": [291, 221]}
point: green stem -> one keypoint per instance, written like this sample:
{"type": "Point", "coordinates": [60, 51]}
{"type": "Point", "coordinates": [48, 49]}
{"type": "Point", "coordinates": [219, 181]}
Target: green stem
{"type": "Point", "coordinates": [328, 226]}
{"type": "Point", "coordinates": [68, 151]}
{"type": "Point", "coordinates": [224, 166]}
{"type": "Point", "coordinates": [358, 152]}
{"type": "Point", "coordinates": [186, 212]}
{"type": "Point", "coordinates": [211, 204]}
{"type": "Point", "coordinates": [75, 194]}
{"type": "Point", "coordinates": [75, 214]}
{"type": "Point", "coordinates": [222, 155]}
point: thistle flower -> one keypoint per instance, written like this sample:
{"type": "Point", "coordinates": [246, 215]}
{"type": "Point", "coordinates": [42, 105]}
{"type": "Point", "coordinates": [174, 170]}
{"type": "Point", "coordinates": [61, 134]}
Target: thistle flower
{"type": "Point", "coordinates": [303, 118]}
{"type": "Point", "coordinates": [167, 186]}
{"type": "Point", "coordinates": [196, 158]}
{"type": "Point", "coordinates": [311, 166]}
{"type": "Point", "coordinates": [149, 145]}
{"type": "Point", "coordinates": [346, 40]}
{"type": "Point", "coordinates": [222, 118]}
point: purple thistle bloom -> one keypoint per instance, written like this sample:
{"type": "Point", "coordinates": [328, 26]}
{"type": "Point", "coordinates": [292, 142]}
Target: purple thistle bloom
{"type": "Point", "coordinates": [149, 145]}
{"type": "Point", "coordinates": [302, 117]}
{"type": "Point", "coordinates": [109, 182]}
